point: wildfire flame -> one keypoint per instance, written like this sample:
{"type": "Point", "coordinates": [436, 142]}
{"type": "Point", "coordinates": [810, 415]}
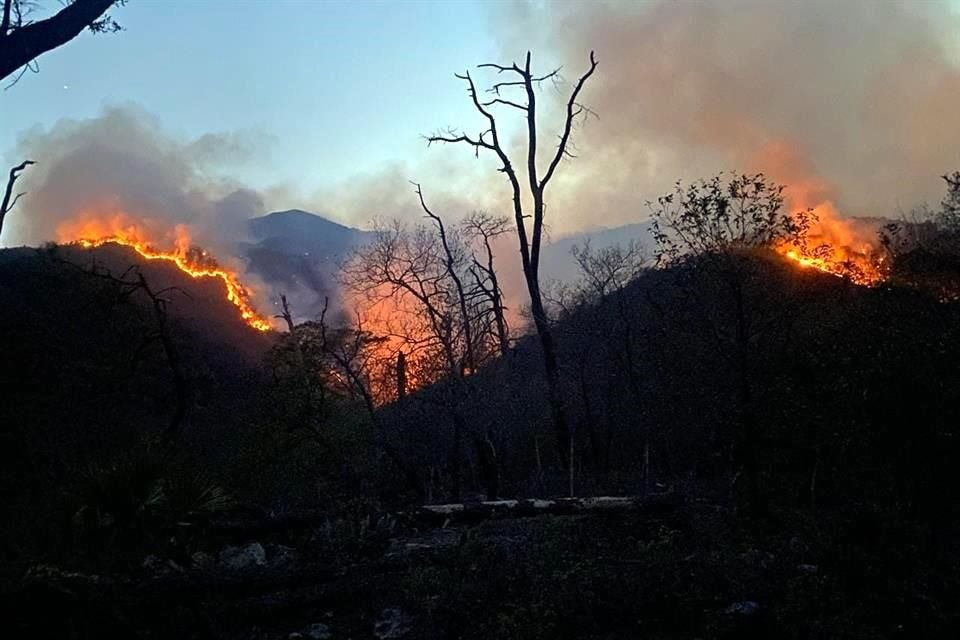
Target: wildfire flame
{"type": "Point", "coordinates": [838, 247]}
{"type": "Point", "coordinates": [92, 231]}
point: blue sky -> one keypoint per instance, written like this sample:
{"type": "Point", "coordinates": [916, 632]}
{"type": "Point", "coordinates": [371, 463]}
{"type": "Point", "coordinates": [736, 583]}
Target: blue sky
{"type": "Point", "coordinates": [328, 89]}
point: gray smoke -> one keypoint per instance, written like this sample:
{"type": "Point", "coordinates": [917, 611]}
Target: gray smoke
{"type": "Point", "coordinates": [123, 161]}
{"type": "Point", "coordinates": [857, 95]}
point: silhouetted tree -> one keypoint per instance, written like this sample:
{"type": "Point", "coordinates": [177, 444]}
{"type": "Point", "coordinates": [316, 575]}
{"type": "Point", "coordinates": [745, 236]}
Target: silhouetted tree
{"type": "Point", "coordinates": [7, 204]}
{"type": "Point", "coordinates": [441, 311]}
{"type": "Point", "coordinates": [488, 140]}
{"type": "Point", "coordinates": [22, 39]}
{"type": "Point", "coordinates": [484, 228]}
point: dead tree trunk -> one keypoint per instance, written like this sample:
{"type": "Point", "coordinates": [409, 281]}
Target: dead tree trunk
{"type": "Point", "coordinates": [7, 204]}
{"type": "Point", "coordinates": [401, 376]}
{"type": "Point", "coordinates": [489, 140]}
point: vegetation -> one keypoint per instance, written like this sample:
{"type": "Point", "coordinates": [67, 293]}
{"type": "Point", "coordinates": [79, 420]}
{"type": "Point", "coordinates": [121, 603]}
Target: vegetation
{"type": "Point", "coordinates": [803, 425]}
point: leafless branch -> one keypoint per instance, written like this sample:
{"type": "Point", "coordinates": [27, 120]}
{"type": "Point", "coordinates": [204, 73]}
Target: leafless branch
{"type": "Point", "coordinates": [6, 205]}
{"type": "Point", "coordinates": [573, 111]}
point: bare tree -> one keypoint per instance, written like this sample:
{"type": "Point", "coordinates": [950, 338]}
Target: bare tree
{"type": "Point", "coordinates": [444, 303]}
{"type": "Point", "coordinates": [441, 317]}
{"type": "Point", "coordinates": [7, 204]}
{"type": "Point", "coordinates": [453, 263]}
{"type": "Point", "coordinates": [403, 271]}
{"type": "Point", "coordinates": [483, 228]}
{"type": "Point", "coordinates": [608, 270]}
{"type": "Point", "coordinates": [524, 79]}
{"type": "Point", "coordinates": [23, 39]}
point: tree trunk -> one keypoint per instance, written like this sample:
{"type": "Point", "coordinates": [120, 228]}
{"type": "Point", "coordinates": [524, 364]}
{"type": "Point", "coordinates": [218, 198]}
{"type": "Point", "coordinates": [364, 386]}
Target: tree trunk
{"type": "Point", "coordinates": [551, 370]}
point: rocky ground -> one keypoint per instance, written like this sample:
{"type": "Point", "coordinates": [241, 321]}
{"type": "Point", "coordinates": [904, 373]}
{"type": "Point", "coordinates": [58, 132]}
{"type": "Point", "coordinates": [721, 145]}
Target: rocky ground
{"type": "Point", "coordinates": [609, 568]}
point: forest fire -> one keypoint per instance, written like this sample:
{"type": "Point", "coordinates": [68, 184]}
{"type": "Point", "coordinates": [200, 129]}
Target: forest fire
{"type": "Point", "coordinates": [844, 247]}
{"type": "Point", "coordinates": [91, 232]}
{"type": "Point", "coordinates": [839, 247]}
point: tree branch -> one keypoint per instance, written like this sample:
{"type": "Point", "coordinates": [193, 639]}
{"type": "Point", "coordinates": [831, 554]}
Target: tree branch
{"type": "Point", "coordinates": [7, 205]}
{"type": "Point", "coordinates": [21, 46]}
{"type": "Point", "coordinates": [573, 110]}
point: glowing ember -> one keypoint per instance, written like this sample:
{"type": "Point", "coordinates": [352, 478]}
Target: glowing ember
{"type": "Point", "coordinates": [95, 232]}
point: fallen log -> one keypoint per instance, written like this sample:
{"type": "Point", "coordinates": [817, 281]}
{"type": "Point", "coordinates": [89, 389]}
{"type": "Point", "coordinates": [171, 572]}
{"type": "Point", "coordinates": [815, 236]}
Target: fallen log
{"type": "Point", "coordinates": [473, 512]}
{"type": "Point", "coordinates": [249, 527]}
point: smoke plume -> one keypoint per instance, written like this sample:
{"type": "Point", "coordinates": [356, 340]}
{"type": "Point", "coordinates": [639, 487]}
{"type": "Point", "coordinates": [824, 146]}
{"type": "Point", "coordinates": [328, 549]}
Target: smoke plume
{"type": "Point", "coordinates": [123, 161]}
{"type": "Point", "coordinates": [859, 94]}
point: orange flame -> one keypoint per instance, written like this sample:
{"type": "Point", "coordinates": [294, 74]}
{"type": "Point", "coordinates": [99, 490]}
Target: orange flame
{"type": "Point", "coordinates": [843, 247]}
{"type": "Point", "coordinates": [94, 231]}
{"type": "Point", "coordinates": [840, 247]}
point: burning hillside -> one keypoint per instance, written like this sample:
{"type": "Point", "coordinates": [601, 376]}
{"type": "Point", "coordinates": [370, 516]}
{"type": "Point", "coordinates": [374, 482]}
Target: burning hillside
{"type": "Point", "coordinates": [92, 231]}
{"type": "Point", "coordinates": [842, 247]}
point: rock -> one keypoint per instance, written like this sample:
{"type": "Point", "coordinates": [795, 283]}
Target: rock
{"type": "Point", "coordinates": [744, 608]}
{"type": "Point", "coordinates": [251, 556]}
{"type": "Point", "coordinates": [393, 624]}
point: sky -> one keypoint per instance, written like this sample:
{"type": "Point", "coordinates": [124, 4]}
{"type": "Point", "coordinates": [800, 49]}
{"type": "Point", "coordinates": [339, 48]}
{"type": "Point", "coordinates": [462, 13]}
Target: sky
{"type": "Point", "coordinates": [324, 89]}
{"type": "Point", "coordinates": [322, 105]}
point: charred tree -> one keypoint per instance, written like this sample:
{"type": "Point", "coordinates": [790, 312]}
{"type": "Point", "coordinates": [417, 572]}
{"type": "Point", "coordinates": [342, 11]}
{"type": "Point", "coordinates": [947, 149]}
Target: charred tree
{"type": "Point", "coordinates": [485, 228]}
{"type": "Point", "coordinates": [488, 140]}
{"type": "Point", "coordinates": [10, 200]}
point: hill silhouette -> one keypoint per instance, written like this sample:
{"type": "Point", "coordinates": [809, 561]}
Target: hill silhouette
{"type": "Point", "coordinates": [851, 393]}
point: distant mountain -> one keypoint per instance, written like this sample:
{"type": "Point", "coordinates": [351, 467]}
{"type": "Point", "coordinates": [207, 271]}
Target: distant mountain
{"type": "Point", "coordinates": [298, 253]}
{"type": "Point", "coordinates": [558, 262]}
{"type": "Point", "coordinates": [298, 232]}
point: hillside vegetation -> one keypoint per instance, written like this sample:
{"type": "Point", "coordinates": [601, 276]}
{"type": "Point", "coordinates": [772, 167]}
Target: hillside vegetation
{"type": "Point", "coordinates": [845, 528]}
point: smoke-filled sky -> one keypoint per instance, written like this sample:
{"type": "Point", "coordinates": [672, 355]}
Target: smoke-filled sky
{"type": "Point", "coordinates": [222, 109]}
